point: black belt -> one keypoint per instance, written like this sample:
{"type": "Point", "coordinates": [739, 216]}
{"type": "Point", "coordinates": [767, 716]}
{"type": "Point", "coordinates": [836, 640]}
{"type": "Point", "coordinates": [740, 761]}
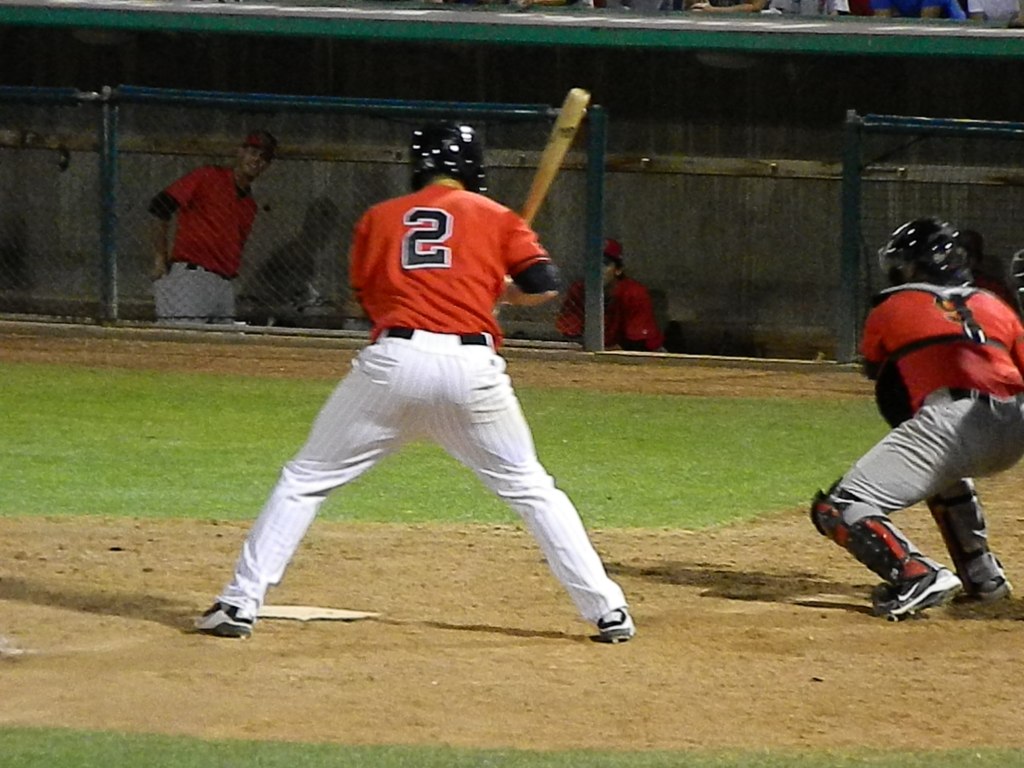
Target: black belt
{"type": "Point", "coordinates": [469, 339]}
{"type": "Point", "coordinates": [969, 394]}
{"type": "Point", "coordinates": [194, 267]}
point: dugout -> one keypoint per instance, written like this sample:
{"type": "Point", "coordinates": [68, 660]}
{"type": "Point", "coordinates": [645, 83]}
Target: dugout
{"type": "Point", "coordinates": [724, 142]}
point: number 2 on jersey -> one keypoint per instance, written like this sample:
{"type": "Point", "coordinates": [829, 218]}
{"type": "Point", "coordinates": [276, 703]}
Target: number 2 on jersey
{"type": "Point", "coordinates": [423, 245]}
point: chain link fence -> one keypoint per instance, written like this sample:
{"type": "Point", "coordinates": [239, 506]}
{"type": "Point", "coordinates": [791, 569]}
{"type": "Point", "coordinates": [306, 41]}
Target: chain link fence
{"type": "Point", "coordinates": [899, 168]}
{"type": "Point", "coordinates": [79, 172]}
{"type": "Point", "coordinates": [49, 205]}
{"type": "Point", "coordinates": [741, 254]}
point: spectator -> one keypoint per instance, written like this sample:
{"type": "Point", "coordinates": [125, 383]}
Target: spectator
{"type": "Point", "coordinates": [522, 5]}
{"type": "Point", "coordinates": [802, 7]}
{"type": "Point", "coordinates": [629, 321]}
{"type": "Point", "coordinates": [993, 10]}
{"type": "Point", "coordinates": [851, 8]}
{"type": "Point", "coordinates": [727, 6]}
{"type": "Point", "coordinates": [987, 271]}
{"type": "Point", "coordinates": [919, 9]}
{"type": "Point", "coordinates": [215, 209]}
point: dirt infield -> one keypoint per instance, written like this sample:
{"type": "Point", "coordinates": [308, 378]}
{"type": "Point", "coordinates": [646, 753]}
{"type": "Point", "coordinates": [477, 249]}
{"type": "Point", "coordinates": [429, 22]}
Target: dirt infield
{"type": "Point", "coordinates": [750, 636]}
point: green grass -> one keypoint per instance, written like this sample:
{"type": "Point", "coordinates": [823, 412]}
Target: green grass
{"type": "Point", "coordinates": [100, 442]}
{"type": "Point", "coordinates": [38, 748]}
{"type": "Point", "coordinates": [142, 444]}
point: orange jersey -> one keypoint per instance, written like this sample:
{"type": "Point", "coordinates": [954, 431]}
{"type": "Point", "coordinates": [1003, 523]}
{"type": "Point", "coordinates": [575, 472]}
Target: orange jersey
{"type": "Point", "coordinates": [937, 337]}
{"type": "Point", "coordinates": [436, 260]}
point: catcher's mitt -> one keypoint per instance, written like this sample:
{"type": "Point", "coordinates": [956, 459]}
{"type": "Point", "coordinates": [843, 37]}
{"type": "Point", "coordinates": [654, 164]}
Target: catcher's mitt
{"type": "Point", "coordinates": [891, 395]}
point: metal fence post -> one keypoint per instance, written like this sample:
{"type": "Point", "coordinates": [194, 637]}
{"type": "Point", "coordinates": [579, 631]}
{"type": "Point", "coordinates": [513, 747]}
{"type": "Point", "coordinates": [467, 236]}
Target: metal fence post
{"type": "Point", "coordinates": [593, 285]}
{"type": "Point", "coordinates": [108, 206]}
{"type": "Point", "coordinates": [848, 302]}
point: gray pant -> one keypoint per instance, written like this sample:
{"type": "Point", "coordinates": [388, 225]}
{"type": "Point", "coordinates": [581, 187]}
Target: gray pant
{"type": "Point", "coordinates": [946, 442]}
{"type": "Point", "coordinates": [193, 296]}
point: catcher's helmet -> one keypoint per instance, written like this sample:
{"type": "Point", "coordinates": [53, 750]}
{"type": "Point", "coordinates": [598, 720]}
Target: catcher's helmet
{"type": "Point", "coordinates": [447, 149]}
{"type": "Point", "coordinates": [931, 245]}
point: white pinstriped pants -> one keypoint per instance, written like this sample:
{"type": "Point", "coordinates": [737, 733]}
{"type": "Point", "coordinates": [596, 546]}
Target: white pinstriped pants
{"type": "Point", "coordinates": [458, 395]}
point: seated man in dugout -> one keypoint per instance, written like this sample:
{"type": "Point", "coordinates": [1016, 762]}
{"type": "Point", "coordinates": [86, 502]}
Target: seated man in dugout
{"type": "Point", "coordinates": [629, 321]}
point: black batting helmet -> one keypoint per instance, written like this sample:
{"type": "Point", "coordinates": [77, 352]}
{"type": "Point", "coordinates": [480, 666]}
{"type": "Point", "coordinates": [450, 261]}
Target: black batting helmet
{"type": "Point", "coordinates": [932, 246]}
{"type": "Point", "coordinates": [447, 149]}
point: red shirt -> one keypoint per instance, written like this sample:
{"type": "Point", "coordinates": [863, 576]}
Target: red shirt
{"type": "Point", "coordinates": [946, 337]}
{"type": "Point", "coordinates": [436, 260]}
{"type": "Point", "coordinates": [214, 219]}
{"type": "Point", "coordinates": [628, 315]}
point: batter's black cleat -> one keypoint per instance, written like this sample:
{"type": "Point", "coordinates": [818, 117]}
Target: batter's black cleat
{"type": "Point", "coordinates": [902, 601]}
{"type": "Point", "coordinates": [615, 627]}
{"type": "Point", "coordinates": [222, 620]}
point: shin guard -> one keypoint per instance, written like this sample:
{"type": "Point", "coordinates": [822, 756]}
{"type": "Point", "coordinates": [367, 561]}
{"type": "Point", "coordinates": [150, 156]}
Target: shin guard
{"type": "Point", "coordinates": [873, 540]}
{"type": "Point", "coordinates": [960, 517]}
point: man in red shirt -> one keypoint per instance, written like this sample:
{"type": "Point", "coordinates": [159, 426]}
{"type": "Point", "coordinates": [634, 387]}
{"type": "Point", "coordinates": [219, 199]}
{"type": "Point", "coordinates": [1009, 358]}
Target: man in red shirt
{"type": "Point", "coordinates": [629, 321]}
{"type": "Point", "coordinates": [215, 210]}
{"type": "Point", "coordinates": [948, 362]}
{"type": "Point", "coordinates": [428, 269]}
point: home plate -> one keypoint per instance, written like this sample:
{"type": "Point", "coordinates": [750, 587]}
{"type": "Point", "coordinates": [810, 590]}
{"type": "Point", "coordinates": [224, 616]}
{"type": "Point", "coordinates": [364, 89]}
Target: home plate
{"type": "Point", "coordinates": [312, 613]}
{"type": "Point", "coordinates": [9, 649]}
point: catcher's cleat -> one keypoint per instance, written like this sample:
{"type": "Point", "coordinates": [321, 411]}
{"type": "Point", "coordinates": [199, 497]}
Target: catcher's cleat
{"type": "Point", "coordinates": [984, 579]}
{"type": "Point", "coordinates": [904, 599]}
{"type": "Point", "coordinates": [996, 588]}
{"type": "Point", "coordinates": [222, 620]}
{"type": "Point", "coordinates": [615, 627]}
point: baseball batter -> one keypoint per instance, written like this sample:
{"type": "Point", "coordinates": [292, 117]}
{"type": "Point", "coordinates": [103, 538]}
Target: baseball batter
{"type": "Point", "coordinates": [948, 361]}
{"type": "Point", "coordinates": [428, 268]}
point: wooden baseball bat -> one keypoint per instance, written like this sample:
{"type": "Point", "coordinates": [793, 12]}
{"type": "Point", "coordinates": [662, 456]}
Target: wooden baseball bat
{"type": "Point", "coordinates": [568, 122]}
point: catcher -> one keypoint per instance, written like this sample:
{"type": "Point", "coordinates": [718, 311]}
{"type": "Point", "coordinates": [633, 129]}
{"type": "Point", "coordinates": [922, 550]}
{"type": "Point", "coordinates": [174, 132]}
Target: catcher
{"type": "Point", "coordinates": [948, 362]}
